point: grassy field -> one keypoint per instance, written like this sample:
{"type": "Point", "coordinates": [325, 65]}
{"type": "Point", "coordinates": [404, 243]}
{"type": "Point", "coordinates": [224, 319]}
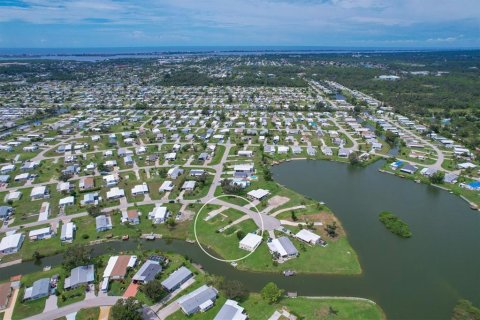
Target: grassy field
{"type": "Point", "coordinates": [303, 308]}
{"type": "Point", "coordinates": [88, 314]}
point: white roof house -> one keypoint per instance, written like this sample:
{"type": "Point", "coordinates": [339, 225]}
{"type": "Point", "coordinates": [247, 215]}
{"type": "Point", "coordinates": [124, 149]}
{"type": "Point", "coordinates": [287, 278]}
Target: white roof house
{"type": "Point", "coordinates": [258, 194]}
{"type": "Point", "coordinates": [171, 156]}
{"type": "Point", "coordinates": [250, 242]}
{"type": "Point", "coordinates": [11, 243]}
{"type": "Point", "coordinates": [188, 185]}
{"type": "Point", "coordinates": [38, 192]}
{"type": "Point", "coordinates": [140, 189]}
{"type": "Point", "coordinates": [166, 186]}
{"type": "Point", "coordinates": [231, 311]}
{"type": "Point", "coordinates": [13, 196]}
{"type": "Point", "coordinates": [115, 193]}
{"type": "Point", "coordinates": [67, 201]}
{"type": "Point", "coordinates": [308, 236]}
{"type": "Point", "coordinates": [68, 230]}
{"type": "Point", "coordinates": [44, 211]}
{"type": "Point", "coordinates": [158, 214]}
{"type": "Point", "coordinates": [40, 234]}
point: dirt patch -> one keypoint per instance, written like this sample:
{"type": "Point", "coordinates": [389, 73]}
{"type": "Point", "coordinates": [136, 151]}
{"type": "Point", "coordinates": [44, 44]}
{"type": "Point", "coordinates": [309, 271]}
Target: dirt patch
{"type": "Point", "coordinates": [277, 201]}
{"type": "Point", "coordinates": [325, 218]}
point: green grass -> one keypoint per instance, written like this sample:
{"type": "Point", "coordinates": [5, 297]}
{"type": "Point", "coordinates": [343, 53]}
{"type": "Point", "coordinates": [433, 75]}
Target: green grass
{"type": "Point", "coordinates": [88, 314]}
{"type": "Point", "coordinates": [29, 308]}
{"type": "Point", "coordinates": [303, 308]}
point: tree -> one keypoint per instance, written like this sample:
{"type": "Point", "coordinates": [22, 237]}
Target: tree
{"type": "Point", "coordinates": [129, 309]}
{"type": "Point", "coordinates": [293, 215]}
{"type": "Point", "coordinates": [94, 210]}
{"type": "Point", "coordinates": [153, 290]}
{"type": "Point", "coordinates": [391, 138]}
{"type": "Point", "coordinates": [271, 293]}
{"type": "Point", "coordinates": [354, 158]}
{"type": "Point", "coordinates": [332, 229]}
{"type": "Point", "coordinates": [240, 234]}
{"type": "Point", "coordinates": [437, 177]}
{"type": "Point", "coordinates": [267, 174]}
{"type": "Point", "coordinates": [76, 256]}
{"type": "Point", "coordinates": [234, 289]}
{"type": "Point", "coordinates": [171, 223]}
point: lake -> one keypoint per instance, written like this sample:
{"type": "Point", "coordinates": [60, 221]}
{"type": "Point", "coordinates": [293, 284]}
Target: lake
{"type": "Point", "coordinates": [417, 278]}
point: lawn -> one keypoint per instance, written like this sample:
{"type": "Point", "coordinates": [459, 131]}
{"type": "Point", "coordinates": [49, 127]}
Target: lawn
{"type": "Point", "coordinates": [303, 308]}
{"type": "Point", "coordinates": [29, 308]}
{"type": "Point", "coordinates": [88, 314]}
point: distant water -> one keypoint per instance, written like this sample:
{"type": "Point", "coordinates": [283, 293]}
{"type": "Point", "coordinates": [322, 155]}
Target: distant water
{"type": "Point", "coordinates": [99, 54]}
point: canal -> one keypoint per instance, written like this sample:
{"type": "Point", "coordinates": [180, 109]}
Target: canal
{"type": "Point", "coordinates": [417, 278]}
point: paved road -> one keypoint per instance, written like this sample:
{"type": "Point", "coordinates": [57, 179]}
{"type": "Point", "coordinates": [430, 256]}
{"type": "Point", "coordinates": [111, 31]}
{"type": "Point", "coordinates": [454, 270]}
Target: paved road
{"type": "Point", "coordinates": [74, 307]}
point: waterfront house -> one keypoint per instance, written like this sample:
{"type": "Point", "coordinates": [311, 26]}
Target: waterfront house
{"type": "Point", "coordinates": [250, 242]}
{"type": "Point", "coordinates": [200, 299]}
{"type": "Point", "coordinates": [103, 223]}
{"type": "Point", "coordinates": [82, 275]}
{"type": "Point", "coordinates": [176, 279]}
{"type": "Point", "coordinates": [231, 311]}
{"type": "Point", "coordinates": [283, 248]}
{"type": "Point", "coordinates": [158, 215]}
{"type": "Point", "coordinates": [258, 194]}
{"type": "Point", "coordinates": [147, 272]}
{"type": "Point", "coordinates": [131, 216]}
{"type": "Point", "coordinates": [308, 236]}
{"type": "Point", "coordinates": [39, 289]}
{"type": "Point", "coordinates": [118, 266]}
{"type": "Point", "coordinates": [408, 168]}
{"type": "Point", "coordinates": [67, 232]}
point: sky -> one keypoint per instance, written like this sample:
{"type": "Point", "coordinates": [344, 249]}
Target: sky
{"type": "Point", "coordinates": [156, 23]}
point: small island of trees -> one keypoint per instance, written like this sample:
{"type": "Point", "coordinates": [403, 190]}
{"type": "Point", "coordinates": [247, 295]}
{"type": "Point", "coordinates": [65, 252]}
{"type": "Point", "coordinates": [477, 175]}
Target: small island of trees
{"type": "Point", "coordinates": [394, 224]}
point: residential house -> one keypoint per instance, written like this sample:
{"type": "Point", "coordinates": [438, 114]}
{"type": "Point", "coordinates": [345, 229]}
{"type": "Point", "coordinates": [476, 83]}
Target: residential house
{"type": "Point", "coordinates": [87, 183]}
{"type": "Point", "coordinates": [131, 216]}
{"type": "Point", "coordinates": [115, 193]}
{"type": "Point", "coordinates": [39, 192]}
{"type": "Point", "coordinates": [5, 212]}
{"type": "Point", "coordinates": [250, 242]}
{"type": "Point", "coordinates": [40, 234]}
{"type": "Point", "coordinates": [176, 279]}
{"type": "Point", "coordinates": [166, 186]}
{"type": "Point", "coordinates": [283, 248]}
{"type": "Point", "coordinates": [200, 299]}
{"type": "Point", "coordinates": [308, 236]}
{"type": "Point", "coordinates": [188, 185]}
{"type": "Point", "coordinates": [103, 223]}
{"type": "Point", "coordinates": [11, 243]}
{"type": "Point", "coordinates": [140, 189]}
{"type": "Point", "coordinates": [40, 288]}
{"type": "Point", "coordinates": [68, 232]}
{"type": "Point", "coordinates": [147, 272]}
{"type": "Point", "coordinates": [231, 311]}
{"type": "Point", "coordinates": [258, 194]}
{"type": "Point", "coordinates": [158, 215]}
{"type": "Point", "coordinates": [82, 275]}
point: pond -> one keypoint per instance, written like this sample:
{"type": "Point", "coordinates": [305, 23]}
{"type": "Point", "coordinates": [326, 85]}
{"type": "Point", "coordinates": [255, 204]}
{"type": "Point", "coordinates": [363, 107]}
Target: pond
{"type": "Point", "coordinates": [417, 278]}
